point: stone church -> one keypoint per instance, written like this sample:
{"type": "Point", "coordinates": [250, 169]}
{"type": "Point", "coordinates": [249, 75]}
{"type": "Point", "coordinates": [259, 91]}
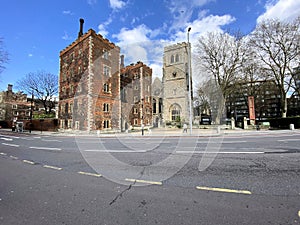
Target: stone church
{"type": "Point", "coordinates": [175, 83]}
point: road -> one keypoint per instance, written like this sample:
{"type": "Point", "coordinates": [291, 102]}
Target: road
{"type": "Point", "coordinates": [231, 179]}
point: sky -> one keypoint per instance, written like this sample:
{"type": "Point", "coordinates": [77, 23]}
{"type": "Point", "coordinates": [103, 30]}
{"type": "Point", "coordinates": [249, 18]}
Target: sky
{"type": "Point", "coordinates": [34, 31]}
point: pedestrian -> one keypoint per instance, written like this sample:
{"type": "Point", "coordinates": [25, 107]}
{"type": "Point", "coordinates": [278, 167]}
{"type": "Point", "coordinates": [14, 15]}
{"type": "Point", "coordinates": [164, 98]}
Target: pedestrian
{"type": "Point", "coordinates": [184, 128]}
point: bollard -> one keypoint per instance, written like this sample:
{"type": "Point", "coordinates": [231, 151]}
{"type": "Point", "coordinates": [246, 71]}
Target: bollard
{"type": "Point", "coordinates": [292, 127]}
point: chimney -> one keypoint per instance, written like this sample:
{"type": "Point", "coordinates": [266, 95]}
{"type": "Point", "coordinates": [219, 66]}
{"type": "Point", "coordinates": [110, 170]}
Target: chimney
{"type": "Point", "coordinates": [81, 28]}
{"type": "Point", "coordinates": [122, 61]}
{"type": "Point", "coordinates": [9, 87]}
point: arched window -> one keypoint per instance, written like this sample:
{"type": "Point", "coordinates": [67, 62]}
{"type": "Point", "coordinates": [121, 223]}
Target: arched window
{"type": "Point", "coordinates": [172, 58]}
{"type": "Point", "coordinates": [175, 112]}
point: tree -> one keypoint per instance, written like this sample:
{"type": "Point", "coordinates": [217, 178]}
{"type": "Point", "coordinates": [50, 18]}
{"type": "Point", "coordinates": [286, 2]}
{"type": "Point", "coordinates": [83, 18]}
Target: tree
{"type": "Point", "coordinates": [221, 56]}
{"type": "Point", "coordinates": [3, 56]}
{"type": "Point", "coordinates": [277, 47]}
{"type": "Point", "coordinates": [43, 85]}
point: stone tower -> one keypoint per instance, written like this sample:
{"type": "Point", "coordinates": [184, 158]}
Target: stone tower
{"type": "Point", "coordinates": [175, 83]}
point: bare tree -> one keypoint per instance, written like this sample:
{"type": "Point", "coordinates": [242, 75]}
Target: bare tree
{"type": "Point", "coordinates": [3, 56]}
{"type": "Point", "coordinates": [221, 56]}
{"type": "Point", "coordinates": [43, 85]}
{"type": "Point", "coordinates": [277, 47]}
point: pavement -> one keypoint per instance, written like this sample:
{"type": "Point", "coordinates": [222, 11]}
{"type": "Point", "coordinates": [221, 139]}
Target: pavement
{"type": "Point", "coordinates": [196, 132]}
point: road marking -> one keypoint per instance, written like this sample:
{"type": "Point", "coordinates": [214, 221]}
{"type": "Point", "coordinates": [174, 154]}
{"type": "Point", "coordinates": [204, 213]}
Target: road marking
{"type": "Point", "coordinates": [13, 157]}
{"type": "Point", "coordinates": [116, 151]}
{"type": "Point", "coordinates": [220, 152]}
{"type": "Point", "coordinates": [28, 162]}
{"type": "Point", "coordinates": [224, 190]}
{"type": "Point", "coordinates": [90, 174]}
{"type": "Point", "coordinates": [284, 140]}
{"type": "Point", "coordinates": [299, 213]}
{"type": "Point", "coordinates": [12, 145]}
{"type": "Point", "coordinates": [45, 148]}
{"type": "Point", "coordinates": [2, 153]}
{"type": "Point", "coordinates": [52, 167]}
{"type": "Point", "coordinates": [6, 139]}
{"type": "Point", "coordinates": [144, 181]}
{"type": "Point", "coordinates": [51, 140]}
{"type": "Point", "coordinates": [223, 142]}
{"type": "Point", "coordinates": [9, 136]}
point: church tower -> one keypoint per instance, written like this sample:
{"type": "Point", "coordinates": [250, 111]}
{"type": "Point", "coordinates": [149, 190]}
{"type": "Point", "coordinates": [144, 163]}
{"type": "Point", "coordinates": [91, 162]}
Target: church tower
{"type": "Point", "coordinates": [175, 83]}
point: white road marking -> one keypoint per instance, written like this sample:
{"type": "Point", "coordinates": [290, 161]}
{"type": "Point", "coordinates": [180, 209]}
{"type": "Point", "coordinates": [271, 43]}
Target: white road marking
{"type": "Point", "coordinates": [144, 181]}
{"type": "Point", "coordinates": [28, 162]}
{"type": "Point", "coordinates": [115, 151]}
{"type": "Point", "coordinates": [2, 153]}
{"type": "Point", "coordinates": [7, 139]}
{"type": "Point", "coordinates": [51, 140]}
{"type": "Point", "coordinates": [13, 157]}
{"type": "Point", "coordinates": [222, 142]}
{"type": "Point", "coordinates": [286, 140]}
{"type": "Point", "coordinates": [216, 152]}
{"type": "Point", "coordinates": [12, 145]}
{"type": "Point", "coordinates": [45, 148]}
{"type": "Point", "coordinates": [6, 136]}
{"type": "Point", "coordinates": [52, 167]}
{"type": "Point", "coordinates": [224, 190]}
{"type": "Point", "coordinates": [90, 174]}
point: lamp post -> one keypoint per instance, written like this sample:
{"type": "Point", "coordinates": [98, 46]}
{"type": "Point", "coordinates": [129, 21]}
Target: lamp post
{"type": "Point", "coordinates": [190, 81]}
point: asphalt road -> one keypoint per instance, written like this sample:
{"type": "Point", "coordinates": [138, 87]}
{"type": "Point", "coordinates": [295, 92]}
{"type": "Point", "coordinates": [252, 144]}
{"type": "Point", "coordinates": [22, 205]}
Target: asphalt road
{"type": "Point", "coordinates": [234, 179]}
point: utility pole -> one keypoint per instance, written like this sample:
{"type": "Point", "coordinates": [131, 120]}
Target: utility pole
{"type": "Point", "coordinates": [190, 80]}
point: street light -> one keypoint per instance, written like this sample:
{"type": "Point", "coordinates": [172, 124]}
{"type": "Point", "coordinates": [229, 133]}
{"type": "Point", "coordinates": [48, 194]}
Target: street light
{"type": "Point", "coordinates": [190, 80]}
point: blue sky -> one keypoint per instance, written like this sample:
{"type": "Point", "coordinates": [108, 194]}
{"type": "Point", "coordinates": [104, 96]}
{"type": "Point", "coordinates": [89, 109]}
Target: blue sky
{"type": "Point", "coordinates": [36, 31]}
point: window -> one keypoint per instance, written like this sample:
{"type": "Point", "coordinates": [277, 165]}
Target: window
{"type": "Point", "coordinates": [106, 87]}
{"type": "Point", "coordinates": [14, 106]}
{"type": "Point", "coordinates": [135, 122]}
{"type": "Point", "coordinates": [175, 113]}
{"type": "Point", "coordinates": [105, 54]}
{"type": "Point", "coordinates": [135, 110]}
{"type": "Point", "coordinates": [105, 107]}
{"type": "Point", "coordinates": [106, 124]}
{"type": "Point", "coordinates": [172, 58]}
{"type": "Point", "coordinates": [135, 76]}
{"type": "Point", "coordinates": [106, 71]}
{"type": "Point", "coordinates": [177, 58]}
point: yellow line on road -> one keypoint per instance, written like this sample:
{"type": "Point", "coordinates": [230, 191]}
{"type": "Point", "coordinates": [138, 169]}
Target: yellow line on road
{"type": "Point", "coordinates": [52, 167]}
{"type": "Point", "coordinates": [144, 181]}
{"type": "Point", "coordinates": [90, 174]}
{"type": "Point", "coordinates": [29, 162]}
{"type": "Point", "coordinates": [224, 190]}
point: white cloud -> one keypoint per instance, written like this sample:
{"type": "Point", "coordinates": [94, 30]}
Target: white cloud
{"type": "Point", "coordinates": [117, 4]}
{"type": "Point", "coordinates": [66, 37]}
{"type": "Point", "coordinates": [282, 9]}
{"type": "Point", "coordinates": [102, 27]}
{"type": "Point", "coordinates": [182, 11]}
{"type": "Point", "coordinates": [30, 55]}
{"type": "Point", "coordinates": [68, 12]}
{"type": "Point", "coordinates": [203, 25]}
{"type": "Point", "coordinates": [91, 2]}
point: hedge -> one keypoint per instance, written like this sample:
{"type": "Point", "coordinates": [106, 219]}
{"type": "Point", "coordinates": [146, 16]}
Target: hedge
{"type": "Point", "coordinates": [284, 123]}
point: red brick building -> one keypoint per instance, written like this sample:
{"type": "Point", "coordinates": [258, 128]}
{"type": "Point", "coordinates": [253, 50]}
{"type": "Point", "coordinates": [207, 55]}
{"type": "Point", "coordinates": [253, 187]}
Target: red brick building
{"type": "Point", "coordinates": [136, 97]}
{"type": "Point", "coordinates": [89, 84]}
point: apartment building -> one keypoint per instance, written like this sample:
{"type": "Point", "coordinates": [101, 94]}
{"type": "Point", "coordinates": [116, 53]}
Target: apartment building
{"type": "Point", "coordinates": [89, 83]}
{"type": "Point", "coordinates": [136, 92]}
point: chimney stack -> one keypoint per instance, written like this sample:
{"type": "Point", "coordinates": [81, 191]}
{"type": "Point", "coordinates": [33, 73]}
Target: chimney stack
{"type": "Point", "coordinates": [9, 87]}
{"type": "Point", "coordinates": [122, 61]}
{"type": "Point", "coordinates": [81, 28]}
